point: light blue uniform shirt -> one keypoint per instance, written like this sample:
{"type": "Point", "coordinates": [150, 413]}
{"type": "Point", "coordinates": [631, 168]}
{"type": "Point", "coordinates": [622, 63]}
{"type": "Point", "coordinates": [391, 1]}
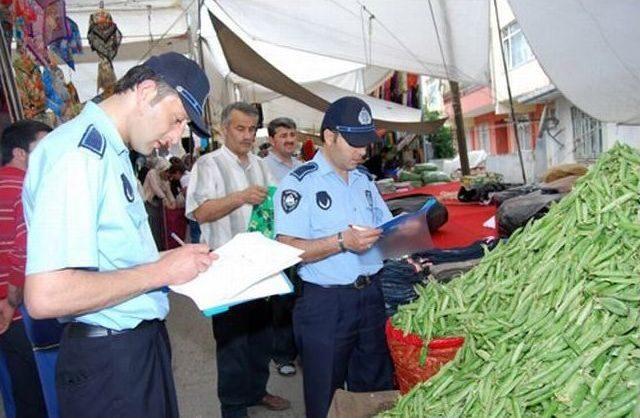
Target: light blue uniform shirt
{"type": "Point", "coordinates": [83, 211]}
{"type": "Point", "coordinates": [313, 202]}
{"type": "Point", "coordinates": [279, 169]}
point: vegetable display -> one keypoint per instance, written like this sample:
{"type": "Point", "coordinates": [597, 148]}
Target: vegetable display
{"type": "Point", "coordinates": [550, 319]}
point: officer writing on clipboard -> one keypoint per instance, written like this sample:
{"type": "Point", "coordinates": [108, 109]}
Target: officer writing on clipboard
{"type": "Point", "coordinates": [91, 258]}
{"type": "Point", "coordinates": [330, 207]}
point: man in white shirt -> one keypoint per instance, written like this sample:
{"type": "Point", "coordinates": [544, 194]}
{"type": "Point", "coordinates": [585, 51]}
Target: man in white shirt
{"type": "Point", "coordinates": [223, 188]}
{"type": "Point", "coordinates": [283, 137]}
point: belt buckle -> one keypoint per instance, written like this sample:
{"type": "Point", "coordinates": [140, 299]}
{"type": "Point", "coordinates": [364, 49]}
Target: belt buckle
{"type": "Point", "coordinates": [362, 282]}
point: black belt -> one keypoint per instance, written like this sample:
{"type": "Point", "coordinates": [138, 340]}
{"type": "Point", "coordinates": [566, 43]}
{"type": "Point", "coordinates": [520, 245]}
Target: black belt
{"type": "Point", "coordinates": [361, 282]}
{"type": "Point", "coordinates": [82, 330]}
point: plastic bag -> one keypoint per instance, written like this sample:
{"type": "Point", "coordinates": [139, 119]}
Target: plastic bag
{"type": "Point", "coordinates": [564, 170]}
{"type": "Point", "coordinates": [424, 167]}
{"type": "Point", "coordinates": [435, 177]}
{"type": "Point", "coordinates": [406, 175]}
{"type": "Point", "coordinates": [516, 212]}
{"type": "Point", "coordinates": [407, 350]}
{"type": "Point", "coordinates": [262, 218]}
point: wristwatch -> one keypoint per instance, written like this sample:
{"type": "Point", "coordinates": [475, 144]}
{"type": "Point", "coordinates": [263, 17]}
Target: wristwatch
{"type": "Point", "coordinates": [341, 242]}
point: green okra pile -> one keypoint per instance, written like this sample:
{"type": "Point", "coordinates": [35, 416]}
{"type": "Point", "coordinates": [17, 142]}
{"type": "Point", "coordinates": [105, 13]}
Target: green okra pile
{"type": "Point", "coordinates": [550, 319]}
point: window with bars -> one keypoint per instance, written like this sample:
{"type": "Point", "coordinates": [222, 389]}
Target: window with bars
{"type": "Point", "coordinates": [524, 132]}
{"type": "Point", "coordinates": [587, 135]}
{"type": "Point", "coordinates": [484, 137]}
{"type": "Point", "coordinates": [467, 136]}
{"type": "Point", "coordinates": [516, 48]}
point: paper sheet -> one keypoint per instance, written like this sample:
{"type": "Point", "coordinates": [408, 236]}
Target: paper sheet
{"type": "Point", "coordinates": [248, 268]}
{"type": "Point", "coordinates": [490, 223]}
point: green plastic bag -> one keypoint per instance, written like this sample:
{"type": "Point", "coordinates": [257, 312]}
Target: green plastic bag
{"type": "Point", "coordinates": [423, 167]}
{"type": "Point", "coordinates": [429, 177]}
{"type": "Point", "coordinates": [262, 218]}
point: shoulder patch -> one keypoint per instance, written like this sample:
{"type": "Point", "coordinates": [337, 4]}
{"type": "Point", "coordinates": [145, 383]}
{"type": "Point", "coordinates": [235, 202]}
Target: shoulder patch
{"type": "Point", "coordinates": [93, 141]}
{"type": "Point", "coordinates": [303, 170]}
{"type": "Point", "coordinates": [364, 170]}
{"type": "Point", "coordinates": [290, 200]}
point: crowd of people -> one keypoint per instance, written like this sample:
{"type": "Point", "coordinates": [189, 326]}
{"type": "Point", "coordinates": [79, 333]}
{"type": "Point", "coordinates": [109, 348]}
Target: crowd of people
{"type": "Point", "coordinates": [98, 255]}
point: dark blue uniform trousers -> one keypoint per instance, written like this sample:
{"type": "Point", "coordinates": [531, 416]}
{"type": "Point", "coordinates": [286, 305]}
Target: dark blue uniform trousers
{"type": "Point", "coordinates": [122, 375]}
{"type": "Point", "coordinates": [340, 338]}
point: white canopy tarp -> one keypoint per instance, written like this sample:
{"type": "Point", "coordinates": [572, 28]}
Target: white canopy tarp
{"type": "Point", "coordinates": [148, 27]}
{"type": "Point", "coordinates": [589, 49]}
{"type": "Point", "coordinates": [326, 77]}
{"type": "Point", "coordinates": [586, 47]}
{"type": "Point", "coordinates": [402, 36]}
{"type": "Point", "coordinates": [309, 119]}
{"type": "Point", "coordinates": [134, 19]}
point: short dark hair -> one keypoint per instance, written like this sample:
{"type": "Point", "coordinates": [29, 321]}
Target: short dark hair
{"type": "Point", "coordinates": [177, 167]}
{"type": "Point", "coordinates": [137, 75]}
{"type": "Point", "coordinates": [280, 123]}
{"type": "Point", "coordinates": [243, 107]}
{"type": "Point", "coordinates": [324, 129]}
{"type": "Point", "coordinates": [20, 135]}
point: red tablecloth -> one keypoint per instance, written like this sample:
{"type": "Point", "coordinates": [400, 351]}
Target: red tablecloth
{"type": "Point", "coordinates": [465, 219]}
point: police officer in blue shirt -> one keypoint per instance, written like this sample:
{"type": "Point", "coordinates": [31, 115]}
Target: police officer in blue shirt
{"type": "Point", "coordinates": [330, 208]}
{"type": "Point", "coordinates": [91, 258]}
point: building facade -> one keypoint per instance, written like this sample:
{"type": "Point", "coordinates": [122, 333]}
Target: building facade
{"type": "Point", "coordinates": [550, 128]}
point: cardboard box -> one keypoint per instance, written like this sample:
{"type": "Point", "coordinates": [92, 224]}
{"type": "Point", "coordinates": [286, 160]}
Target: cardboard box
{"type": "Point", "coordinates": [361, 404]}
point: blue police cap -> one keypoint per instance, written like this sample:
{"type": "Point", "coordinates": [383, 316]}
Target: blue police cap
{"type": "Point", "coordinates": [351, 117]}
{"type": "Point", "coordinates": [191, 83]}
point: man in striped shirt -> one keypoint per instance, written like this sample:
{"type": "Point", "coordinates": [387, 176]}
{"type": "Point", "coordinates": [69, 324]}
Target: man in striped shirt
{"type": "Point", "coordinates": [18, 140]}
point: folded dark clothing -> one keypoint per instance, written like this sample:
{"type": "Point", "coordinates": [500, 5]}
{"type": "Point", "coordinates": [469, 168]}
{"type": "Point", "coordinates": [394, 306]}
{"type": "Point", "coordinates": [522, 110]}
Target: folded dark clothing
{"type": "Point", "coordinates": [397, 279]}
{"type": "Point", "coordinates": [480, 193]}
{"type": "Point", "coordinates": [473, 251]}
{"type": "Point", "coordinates": [499, 198]}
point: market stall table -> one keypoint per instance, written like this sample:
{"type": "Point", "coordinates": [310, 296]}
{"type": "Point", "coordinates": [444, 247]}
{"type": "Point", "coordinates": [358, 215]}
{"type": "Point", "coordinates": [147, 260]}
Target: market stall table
{"type": "Point", "coordinates": [465, 224]}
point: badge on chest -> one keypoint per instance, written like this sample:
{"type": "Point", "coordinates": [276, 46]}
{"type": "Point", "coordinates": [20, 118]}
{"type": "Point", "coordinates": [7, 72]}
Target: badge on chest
{"type": "Point", "coordinates": [323, 200]}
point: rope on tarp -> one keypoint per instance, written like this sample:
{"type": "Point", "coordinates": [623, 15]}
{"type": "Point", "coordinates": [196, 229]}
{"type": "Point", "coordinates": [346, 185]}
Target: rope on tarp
{"type": "Point", "coordinates": [166, 32]}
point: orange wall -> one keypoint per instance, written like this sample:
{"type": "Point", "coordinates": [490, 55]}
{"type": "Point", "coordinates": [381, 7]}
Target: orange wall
{"type": "Point", "coordinates": [501, 136]}
{"type": "Point", "coordinates": [497, 135]}
{"type": "Point", "coordinates": [471, 101]}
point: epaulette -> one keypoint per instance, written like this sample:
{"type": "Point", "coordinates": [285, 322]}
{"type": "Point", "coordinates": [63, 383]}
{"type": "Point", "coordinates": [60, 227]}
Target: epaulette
{"type": "Point", "coordinates": [364, 170]}
{"type": "Point", "coordinates": [93, 141]}
{"type": "Point", "coordinates": [303, 170]}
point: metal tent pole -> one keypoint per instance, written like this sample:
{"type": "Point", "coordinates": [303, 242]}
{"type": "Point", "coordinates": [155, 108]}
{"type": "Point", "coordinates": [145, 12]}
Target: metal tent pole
{"type": "Point", "coordinates": [455, 103]}
{"type": "Point", "coordinates": [460, 134]}
{"type": "Point", "coordinates": [207, 109]}
{"type": "Point", "coordinates": [513, 113]}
